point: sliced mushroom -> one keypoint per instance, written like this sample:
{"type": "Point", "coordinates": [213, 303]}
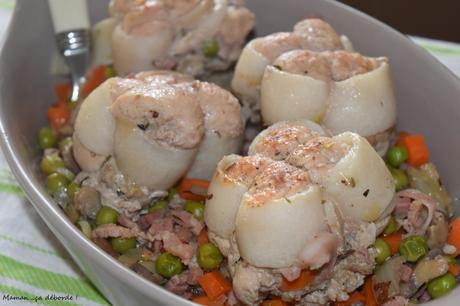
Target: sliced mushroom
{"type": "Point", "coordinates": [428, 269]}
{"type": "Point", "coordinates": [386, 280]}
{"type": "Point", "coordinates": [88, 202]}
{"type": "Point", "coordinates": [426, 179]}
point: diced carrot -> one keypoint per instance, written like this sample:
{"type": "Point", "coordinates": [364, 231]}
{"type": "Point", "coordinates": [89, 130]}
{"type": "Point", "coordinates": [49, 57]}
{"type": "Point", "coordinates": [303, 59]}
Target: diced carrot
{"type": "Point", "coordinates": [201, 299]}
{"type": "Point", "coordinates": [62, 91]}
{"type": "Point", "coordinates": [274, 302]}
{"type": "Point", "coordinates": [355, 297]}
{"type": "Point", "coordinates": [214, 284]}
{"type": "Point", "coordinates": [394, 241]}
{"type": "Point", "coordinates": [454, 269]}
{"type": "Point", "coordinates": [305, 278]}
{"type": "Point", "coordinates": [206, 301]}
{"type": "Point", "coordinates": [401, 137]}
{"type": "Point", "coordinates": [369, 293]}
{"type": "Point", "coordinates": [203, 237]}
{"type": "Point", "coordinates": [59, 115]}
{"type": "Point", "coordinates": [94, 78]}
{"type": "Point", "coordinates": [193, 189]}
{"type": "Point", "coordinates": [454, 235]}
{"type": "Point", "coordinates": [417, 151]}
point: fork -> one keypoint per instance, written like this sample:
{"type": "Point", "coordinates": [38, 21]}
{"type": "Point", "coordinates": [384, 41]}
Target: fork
{"type": "Point", "coordinates": [73, 39]}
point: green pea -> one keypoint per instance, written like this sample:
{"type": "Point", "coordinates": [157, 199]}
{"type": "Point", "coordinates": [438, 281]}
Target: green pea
{"type": "Point", "coordinates": [441, 285]}
{"type": "Point", "coordinates": [392, 226]}
{"type": "Point", "coordinates": [47, 138]}
{"type": "Point", "coordinates": [50, 164]}
{"type": "Point", "coordinates": [377, 268]}
{"type": "Point", "coordinates": [400, 178]}
{"type": "Point", "coordinates": [73, 104]}
{"type": "Point", "coordinates": [168, 265]}
{"type": "Point", "coordinates": [145, 256]}
{"type": "Point", "coordinates": [171, 193]}
{"type": "Point", "coordinates": [209, 256]}
{"type": "Point", "coordinates": [396, 156]}
{"type": "Point", "coordinates": [66, 172]}
{"type": "Point", "coordinates": [64, 143]}
{"type": "Point", "coordinates": [451, 259]}
{"type": "Point", "coordinates": [109, 72]}
{"type": "Point", "coordinates": [195, 208]}
{"type": "Point", "coordinates": [106, 215]}
{"type": "Point", "coordinates": [72, 190]}
{"type": "Point", "coordinates": [121, 245]}
{"type": "Point", "coordinates": [383, 250]}
{"type": "Point", "coordinates": [413, 248]}
{"type": "Point", "coordinates": [210, 48]}
{"type": "Point", "coordinates": [159, 205]}
{"type": "Point", "coordinates": [56, 181]}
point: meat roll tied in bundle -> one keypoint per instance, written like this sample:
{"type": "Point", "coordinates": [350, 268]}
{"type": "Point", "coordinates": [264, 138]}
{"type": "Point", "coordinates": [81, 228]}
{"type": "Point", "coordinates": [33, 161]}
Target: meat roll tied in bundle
{"type": "Point", "coordinates": [197, 37]}
{"type": "Point", "coordinates": [289, 207]}
{"type": "Point", "coordinates": [311, 73]}
{"type": "Point", "coordinates": [309, 34]}
{"type": "Point", "coordinates": [343, 91]}
{"type": "Point", "coordinates": [158, 126]}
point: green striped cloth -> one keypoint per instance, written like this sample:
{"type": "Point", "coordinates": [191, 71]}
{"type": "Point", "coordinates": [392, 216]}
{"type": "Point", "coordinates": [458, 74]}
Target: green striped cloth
{"type": "Point", "coordinates": [34, 267]}
{"type": "Point", "coordinates": [447, 53]}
